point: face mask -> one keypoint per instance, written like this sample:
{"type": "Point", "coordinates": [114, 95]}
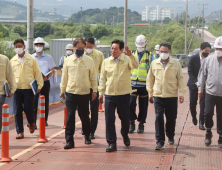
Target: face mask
{"type": "Point", "coordinates": [68, 52]}
{"type": "Point", "coordinates": [140, 49]}
{"type": "Point", "coordinates": [19, 50]}
{"type": "Point", "coordinates": [205, 54]}
{"type": "Point", "coordinates": [157, 52]}
{"type": "Point", "coordinates": [88, 50]}
{"type": "Point", "coordinates": [79, 52]}
{"type": "Point", "coordinates": [164, 56]}
{"type": "Point", "coordinates": [38, 49]}
{"type": "Point", "coordinates": [218, 53]}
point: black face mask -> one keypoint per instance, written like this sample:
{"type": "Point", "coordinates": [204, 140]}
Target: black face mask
{"type": "Point", "coordinates": [79, 52]}
{"type": "Point", "coordinates": [205, 54]}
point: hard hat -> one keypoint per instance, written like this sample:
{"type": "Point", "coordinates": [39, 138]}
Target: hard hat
{"type": "Point", "coordinates": [69, 47]}
{"type": "Point", "coordinates": [140, 41]}
{"type": "Point", "coordinates": [157, 47]}
{"type": "Point", "coordinates": [39, 40]}
{"type": "Point", "coordinates": [218, 42]}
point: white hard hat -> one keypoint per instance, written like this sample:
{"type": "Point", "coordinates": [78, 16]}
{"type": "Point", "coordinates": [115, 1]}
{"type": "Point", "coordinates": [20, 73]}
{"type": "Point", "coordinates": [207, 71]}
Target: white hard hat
{"type": "Point", "coordinates": [140, 41]}
{"type": "Point", "coordinates": [39, 40]}
{"type": "Point", "coordinates": [69, 47]}
{"type": "Point", "coordinates": [218, 42]}
{"type": "Point", "coordinates": [157, 47]}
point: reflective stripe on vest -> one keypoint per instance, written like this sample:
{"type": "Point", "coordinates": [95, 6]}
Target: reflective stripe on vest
{"type": "Point", "coordinates": [141, 72]}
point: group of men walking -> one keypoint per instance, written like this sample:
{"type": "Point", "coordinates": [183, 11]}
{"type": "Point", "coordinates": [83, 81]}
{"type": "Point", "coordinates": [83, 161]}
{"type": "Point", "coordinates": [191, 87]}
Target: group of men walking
{"type": "Point", "coordinates": [120, 79]}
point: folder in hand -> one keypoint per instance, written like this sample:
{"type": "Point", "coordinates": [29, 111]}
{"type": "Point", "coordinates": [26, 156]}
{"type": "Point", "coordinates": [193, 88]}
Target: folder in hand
{"type": "Point", "coordinates": [45, 75]}
{"type": "Point", "coordinates": [34, 86]}
{"type": "Point", "coordinates": [7, 91]}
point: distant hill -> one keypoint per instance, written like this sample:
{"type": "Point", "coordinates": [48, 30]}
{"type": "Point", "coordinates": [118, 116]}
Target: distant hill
{"type": "Point", "coordinates": [107, 16]}
{"type": "Point", "coordinates": [10, 9]}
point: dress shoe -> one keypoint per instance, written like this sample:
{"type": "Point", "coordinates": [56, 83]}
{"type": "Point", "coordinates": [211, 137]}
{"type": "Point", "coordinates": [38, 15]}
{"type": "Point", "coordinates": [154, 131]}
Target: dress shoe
{"type": "Point", "coordinates": [31, 127]}
{"type": "Point", "coordinates": [140, 128]}
{"type": "Point", "coordinates": [208, 137]}
{"type": "Point", "coordinates": [83, 133]}
{"type": "Point", "coordinates": [111, 147]}
{"type": "Point", "coordinates": [201, 127]}
{"type": "Point", "coordinates": [132, 127]}
{"type": "Point", "coordinates": [46, 123]}
{"type": "Point", "coordinates": [126, 140]}
{"type": "Point", "coordinates": [159, 146]}
{"type": "Point", "coordinates": [20, 136]}
{"type": "Point", "coordinates": [87, 140]}
{"type": "Point", "coordinates": [92, 136]}
{"type": "Point", "coordinates": [69, 145]}
{"type": "Point", "coordinates": [35, 127]}
{"type": "Point", "coordinates": [220, 142]}
{"type": "Point", "coordinates": [171, 141]}
{"type": "Point", "coordinates": [194, 120]}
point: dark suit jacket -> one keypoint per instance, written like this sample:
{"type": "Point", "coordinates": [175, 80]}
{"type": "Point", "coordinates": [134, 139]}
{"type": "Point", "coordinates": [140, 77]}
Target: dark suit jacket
{"type": "Point", "coordinates": [193, 70]}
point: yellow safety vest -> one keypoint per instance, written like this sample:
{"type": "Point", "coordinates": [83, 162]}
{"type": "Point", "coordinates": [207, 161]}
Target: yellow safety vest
{"type": "Point", "coordinates": [141, 72]}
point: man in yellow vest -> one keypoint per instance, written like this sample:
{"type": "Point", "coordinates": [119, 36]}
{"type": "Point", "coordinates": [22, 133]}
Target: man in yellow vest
{"type": "Point", "coordinates": [69, 51]}
{"type": "Point", "coordinates": [138, 82]}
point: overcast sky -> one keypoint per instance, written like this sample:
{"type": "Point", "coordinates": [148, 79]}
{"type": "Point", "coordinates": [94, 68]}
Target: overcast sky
{"type": "Point", "coordinates": [67, 7]}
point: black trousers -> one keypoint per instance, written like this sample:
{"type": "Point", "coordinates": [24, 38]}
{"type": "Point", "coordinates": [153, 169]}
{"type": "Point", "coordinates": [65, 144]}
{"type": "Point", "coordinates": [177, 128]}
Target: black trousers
{"type": "Point", "coordinates": [143, 104]}
{"type": "Point", "coordinates": [94, 107]}
{"type": "Point", "coordinates": [72, 100]}
{"type": "Point", "coordinates": [120, 102]}
{"type": "Point", "coordinates": [211, 101]}
{"type": "Point", "coordinates": [169, 106]}
{"type": "Point", "coordinates": [44, 91]}
{"type": "Point", "coordinates": [193, 104]}
{"type": "Point", "coordinates": [23, 101]}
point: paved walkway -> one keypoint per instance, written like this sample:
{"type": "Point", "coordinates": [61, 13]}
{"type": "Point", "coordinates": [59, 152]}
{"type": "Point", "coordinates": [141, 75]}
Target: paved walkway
{"type": "Point", "coordinates": [188, 153]}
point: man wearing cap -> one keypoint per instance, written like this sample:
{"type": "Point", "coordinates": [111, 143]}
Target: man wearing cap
{"type": "Point", "coordinates": [210, 78]}
{"type": "Point", "coordinates": [138, 83]}
{"type": "Point", "coordinates": [193, 69]}
{"type": "Point", "coordinates": [156, 54]}
{"type": "Point", "coordinates": [98, 58]}
{"type": "Point", "coordinates": [6, 75]}
{"type": "Point", "coordinates": [69, 51]}
{"type": "Point", "coordinates": [115, 80]}
{"type": "Point", "coordinates": [46, 65]}
{"type": "Point", "coordinates": [26, 69]}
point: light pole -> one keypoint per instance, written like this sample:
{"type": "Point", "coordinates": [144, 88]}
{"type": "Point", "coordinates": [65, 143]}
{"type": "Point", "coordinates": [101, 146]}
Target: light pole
{"type": "Point", "coordinates": [30, 26]}
{"type": "Point", "coordinates": [125, 23]}
{"type": "Point", "coordinates": [185, 49]}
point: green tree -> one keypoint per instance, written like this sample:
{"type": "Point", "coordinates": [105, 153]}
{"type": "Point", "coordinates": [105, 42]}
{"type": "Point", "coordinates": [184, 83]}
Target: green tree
{"type": "Point", "coordinates": [17, 29]}
{"type": "Point", "coordinates": [99, 31]}
{"type": "Point", "coordinates": [41, 29]}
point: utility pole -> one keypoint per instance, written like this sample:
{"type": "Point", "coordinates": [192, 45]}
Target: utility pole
{"type": "Point", "coordinates": [113, 20]}
{"type": "Point", "coordinates": [185, 50]}
{"type": "Point", "coordinates": [118, 17]}
{"type": "Point", "coordinates": [81, 22]}
{"type": "Point", "coordinates": [30, 26]}
{"type": "Point", "coordinates": [125, 23]}
{"type": "Point", "coordinates": [203, 25]}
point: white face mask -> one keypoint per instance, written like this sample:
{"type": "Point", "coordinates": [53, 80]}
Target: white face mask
{"type": "Point", "coordinates": [218, 53]}
{"type": "Point", "coordinates": [38, 49]}
{"type": "Point", "coordinates": [164, 56]}
{"type": "Point", "coordinates": [140, 49]}
{"type": "Point", "coordinates": [19, 50]}
{"type": "Point", "coordinates": [88, 50]}
{"type": "Point", "coordinates": [157, 52]}
{"type": "Point", "coordinates": [68, 52]}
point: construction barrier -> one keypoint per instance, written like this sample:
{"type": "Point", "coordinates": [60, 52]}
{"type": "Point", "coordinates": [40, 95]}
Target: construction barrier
{"type": "Point", "coordinates": [5, 134]}
{"type": "Point", "coordinates": [101, 107]}
{"type": "Point", "coordinates": [65, 116]}
{"type": "Point", "coordinates": [42, 138]}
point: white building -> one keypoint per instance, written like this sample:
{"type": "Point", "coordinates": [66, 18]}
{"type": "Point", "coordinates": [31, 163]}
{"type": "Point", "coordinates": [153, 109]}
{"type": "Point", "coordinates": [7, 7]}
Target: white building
{"type": "Point", "coordinates": [158, 13]}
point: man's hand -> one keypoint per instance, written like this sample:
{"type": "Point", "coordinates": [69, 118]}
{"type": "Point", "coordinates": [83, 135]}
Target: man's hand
{"type": "Point", "coordinates": [200, 93]}
{"type": "Point", "coordinates": [101, 99]}
{"type": "Point", "coordinates": [62, 95]}
{"type": "Point", "coordinates": [38, 91]}
{"type": "Point", "coordinates": [94, 95]}
{"type": "Point", "coordinates": [151, 100]}
{"type": "Point", "coordinates": [10, 95]}
{"type": "Point", "coordinates": [45, 78]}
{"type": "Point", "coordinates": [127, 51]}
{"type": "Point", "coordinates": [181, 98]}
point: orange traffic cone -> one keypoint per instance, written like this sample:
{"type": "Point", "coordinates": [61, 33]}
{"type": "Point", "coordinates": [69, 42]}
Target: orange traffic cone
{"type": "Point", "coordinates": [65, 116]}
{"type": "Point", "coordinates": [5, 134]}
{"type": "Point", "coordinates": [101, 107]}
{"type": "Point", "coordinates": [42, 138]}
